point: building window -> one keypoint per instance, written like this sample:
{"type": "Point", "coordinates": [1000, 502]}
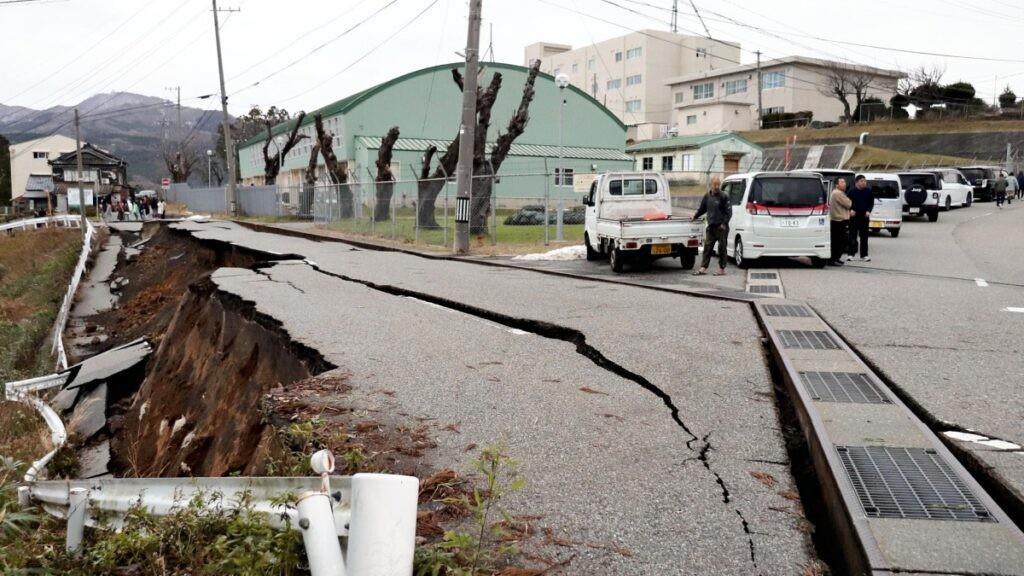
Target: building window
{"type": "Point", "coordinates": [735, 86]}
{"type": "Point", "coordinates": [633, 80]}
{"type": "Point", "coordinates": [633, 105]}
{"type": "Point", "coordinates": [563, 177]}
{"type": "Point", "coordinates": [615, 84]}
{"type": "Point", "coordinates": [41, 155]}
{"type": "Point", "coordinates": [680, 97]}
{"type": "Point", "coordinates": [634, 53]}
{"type": "Point", "coordinates": [701, 52]}
{"type": "Point", "coordinates": [691, 120]}
{"type": "Point", "coordinates": [648, 163]}
{"type": "Point", "coordinates": [575, 67]}
{"type": "Point", "coordinates": [774, 110]}
{"type": "Point", "coordinates": [702, 91]}
{"type": "Point", "coordinates": [590, 64]}
{"type": "Point", "coordinates": [687, 163]}
{"type": "Point", "coordinates": [773, 80]}
{"type": "Point", "coordinates": [666, 163]}
{"type": "Point", "coordinates": [618, 56]}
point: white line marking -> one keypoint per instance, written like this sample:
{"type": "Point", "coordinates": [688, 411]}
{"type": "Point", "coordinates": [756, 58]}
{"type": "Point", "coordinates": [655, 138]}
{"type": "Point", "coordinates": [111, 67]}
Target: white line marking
{"type": "Point", "coordinates": [1011, 309]}
{"type": "Point", "coordinates": [981, 282]}
{"type": "Point", "coordinates": [988, 214]}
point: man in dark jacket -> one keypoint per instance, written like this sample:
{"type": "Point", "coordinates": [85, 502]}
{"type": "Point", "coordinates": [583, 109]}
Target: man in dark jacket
{"type": "Point", "coordinates": [1020, 184]}
{"type": "Point", "coordinates": [718, 206]}
{"type": "Point", "coordinates": [860, 217]}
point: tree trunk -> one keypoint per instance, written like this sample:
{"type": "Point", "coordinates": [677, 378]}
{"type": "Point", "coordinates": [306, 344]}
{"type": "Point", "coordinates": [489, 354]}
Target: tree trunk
{"type": "Point", "coordinates": [336, 171]}
{"type": "Point", "coordinates": [385, 178]}
{"type": "Point", "coordinates": [429, 191]}
{"type": "Point", "coordinates": [272, 164]}
{"type": "Point", "coordinates": [480, 203]}
{"type": "Point", "coordinates": [309, 190]}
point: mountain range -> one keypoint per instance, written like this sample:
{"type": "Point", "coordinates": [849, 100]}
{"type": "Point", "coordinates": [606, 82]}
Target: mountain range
{"type": "Point", "coordinates": [131, 126]}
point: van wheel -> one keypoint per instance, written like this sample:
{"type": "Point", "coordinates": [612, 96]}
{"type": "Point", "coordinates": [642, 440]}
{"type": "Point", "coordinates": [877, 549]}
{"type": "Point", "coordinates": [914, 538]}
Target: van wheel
{"type": "Point", "coordinates": [591, 253]}
{"type": "Point", "coordinates": [933, 215]}
{"type": "Point", "coordinates": [616, 260]}
{"type": "Point", "coordinates": [688, 258]}
{"type": "Point", "coordinates": [737, 254]}
{"type": "Point", "coordinates": [894, 232]}
{"type": "Point", "coordinates": [970, 200]}
{"type": "Point", "coordinates": [949, 203]}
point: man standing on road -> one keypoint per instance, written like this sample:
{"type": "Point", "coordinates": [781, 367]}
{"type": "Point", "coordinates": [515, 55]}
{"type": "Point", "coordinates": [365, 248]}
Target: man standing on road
{"type": "Point", "coordinates": [1020, 184]}
{"type": "Point", "coordinates": [860, 217]}
{"type": "Point", "coordinates": [839, 221]}
{"type": "Point", "coordinates": [1000, 190]}
{"type": "Point", "coordinates": [718, 206]}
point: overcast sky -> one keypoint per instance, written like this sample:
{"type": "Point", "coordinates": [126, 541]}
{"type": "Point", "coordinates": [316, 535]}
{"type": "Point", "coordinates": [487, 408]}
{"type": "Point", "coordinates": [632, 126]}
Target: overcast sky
{"type": "Point", "coordinates": [62, 51]}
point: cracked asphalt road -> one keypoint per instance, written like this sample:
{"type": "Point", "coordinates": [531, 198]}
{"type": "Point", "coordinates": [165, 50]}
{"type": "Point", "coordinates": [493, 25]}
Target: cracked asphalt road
{"type": "Point", "coordinates": [611, 467]}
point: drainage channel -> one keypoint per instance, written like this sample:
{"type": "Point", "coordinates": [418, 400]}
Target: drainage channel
{"type": "Point", "coordinates": [897, 499]}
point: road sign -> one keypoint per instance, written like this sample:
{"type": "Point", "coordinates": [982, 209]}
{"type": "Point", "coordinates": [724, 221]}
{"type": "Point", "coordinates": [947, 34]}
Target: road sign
{"type": "Point", "coordinates": [165, 183]}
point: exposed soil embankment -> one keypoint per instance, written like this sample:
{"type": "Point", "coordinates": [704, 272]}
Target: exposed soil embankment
{"type": "Point", "coordinates": [198, 410]}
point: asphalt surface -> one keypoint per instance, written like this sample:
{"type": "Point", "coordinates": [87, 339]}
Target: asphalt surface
{"type": "Point", "coordinates": [611, 467]}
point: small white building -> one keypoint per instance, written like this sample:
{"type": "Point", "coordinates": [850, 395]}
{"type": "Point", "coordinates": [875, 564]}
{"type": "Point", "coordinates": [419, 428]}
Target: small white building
{"type": "Point", "coordinates": [31, 173]}
{"type": "Point", "coordinates": [724, 99]}
{"type": "Point", "coordinates": [718, 154]}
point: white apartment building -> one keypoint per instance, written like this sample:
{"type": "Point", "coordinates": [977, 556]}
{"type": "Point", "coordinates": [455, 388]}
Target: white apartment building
{"type": "Point", "coordinates": [30, 168]}
{"type": "Point", "coordinates": [629, 74]}
{"type": "Point", "coordinates": [725, 99]}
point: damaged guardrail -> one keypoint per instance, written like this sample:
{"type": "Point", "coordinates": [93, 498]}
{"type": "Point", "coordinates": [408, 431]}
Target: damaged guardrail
{"type": "Point", "coordinates": [69, 298]}
{"type": "Point", "coordinates": [66, 220]}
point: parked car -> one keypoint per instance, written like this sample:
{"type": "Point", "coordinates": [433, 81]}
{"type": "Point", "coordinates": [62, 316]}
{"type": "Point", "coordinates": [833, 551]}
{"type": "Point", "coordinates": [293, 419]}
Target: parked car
{"type": "Point", "coordinates": [982, 179]}
{"type": "Point", "coordinates": [778, 214]}
{"type": "Point", "coordinates": [830, 176]}
{"type": "Point", "coordinates": [888, 211]}
{"type": "Point", "coordinates": [956, 190]}
{"type": "Point", "coordinates": [920, 191]}
{"type": "Point", "coordinates": [629, 220]}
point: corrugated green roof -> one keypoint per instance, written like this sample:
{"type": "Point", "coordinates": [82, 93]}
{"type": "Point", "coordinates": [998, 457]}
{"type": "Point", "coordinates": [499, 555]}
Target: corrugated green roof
{"type": "Point", "coordinates": [347, 103]}
{"type": "Point", "coordinates": [522, 150]}
{"type": "Point", "coordinates": [683, 142]}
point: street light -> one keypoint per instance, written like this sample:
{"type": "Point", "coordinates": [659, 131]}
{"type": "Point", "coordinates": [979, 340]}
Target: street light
{"type": "Point", "coordinates": [209, 168]}
{"type": "Point", "coordinates": [562, 81]}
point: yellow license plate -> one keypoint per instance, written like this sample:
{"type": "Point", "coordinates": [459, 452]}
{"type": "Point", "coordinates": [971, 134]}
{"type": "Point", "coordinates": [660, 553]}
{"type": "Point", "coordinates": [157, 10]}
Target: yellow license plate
{"type": "Point", "coordinates": [875, 224]}
{"type": "Point", "coordinates": [661, 249]}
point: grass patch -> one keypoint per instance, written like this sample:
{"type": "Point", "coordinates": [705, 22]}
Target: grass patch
{"type": "Point", "coordinates": [35, 267]}
{"type": "Point", "coordinates": [853, 131]}
{"type": "Point", "coordinates": [871, 158]}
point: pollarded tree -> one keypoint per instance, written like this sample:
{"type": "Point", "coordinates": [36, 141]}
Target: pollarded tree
{"type": "Point", "coordinates": [336, 171]}
{"type": "Point", "coordinates": [385, 181]}
{"type": "Point", "coordinates": [272, 164]}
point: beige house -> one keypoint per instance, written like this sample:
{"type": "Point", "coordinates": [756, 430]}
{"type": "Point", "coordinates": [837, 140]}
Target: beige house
{"type": "Point", "coordinates": [629, 74]}
{"type": "Point", "coordinates": [726, 99]}
{"type": "Point", "coordinates": [31, 173]}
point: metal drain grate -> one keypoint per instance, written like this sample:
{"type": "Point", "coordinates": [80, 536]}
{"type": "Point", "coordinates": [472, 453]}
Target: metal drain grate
{"type": "Point", "coordinates": [807, 339]}
{"type": "Point", "coordinates": [911, 483]}
{"type": "Point", "coordinates": [843, 387]}
{"type": "Point", "coordinates": [763, 276]}
{"type": "Point", "coordinates": [763, 289]}
{"type": "Point", "coordinates": [788, 310]}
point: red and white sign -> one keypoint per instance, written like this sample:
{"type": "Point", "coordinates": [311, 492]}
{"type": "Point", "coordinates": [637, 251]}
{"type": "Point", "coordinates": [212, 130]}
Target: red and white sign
{"type": "Point", "coordinates": [166, 182]}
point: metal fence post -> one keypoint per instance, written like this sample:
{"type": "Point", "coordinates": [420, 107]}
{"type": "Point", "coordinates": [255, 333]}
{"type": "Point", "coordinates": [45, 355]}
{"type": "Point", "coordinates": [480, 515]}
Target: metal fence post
{"type": "Point", "coordinates": [445, 225]}
{"type": "Point", "coordinates": [494, 216]}
{"type": "Point", "coordinates": [547, 200]}
{"type": "Point", "coordinates": [319, 535]}
{"type": "Point", "coordinates": [382, 531]}
{"type": "Point", "coordinates": [78, 500]}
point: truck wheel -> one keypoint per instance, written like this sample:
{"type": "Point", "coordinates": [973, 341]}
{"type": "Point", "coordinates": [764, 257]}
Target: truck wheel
{"type": "Point", "coordinates": [591, 253]}
{"type": "Point", "coordinates": [688, 258]}
{"type": "Point", "coordinates": [933, 215]}
{"type": "Point", "coordinates": [894, 232]}
{"type": "Point", "coordinates": [737, 254]}
{"type": "Point", "coordinates": [616, 260]}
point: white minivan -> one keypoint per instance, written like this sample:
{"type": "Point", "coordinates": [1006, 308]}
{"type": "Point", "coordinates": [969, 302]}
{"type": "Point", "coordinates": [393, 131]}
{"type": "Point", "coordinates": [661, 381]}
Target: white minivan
{"type": "Point", "coordinates": [888, 211]}
{"type": "Point", "coordinates": [778, 214]}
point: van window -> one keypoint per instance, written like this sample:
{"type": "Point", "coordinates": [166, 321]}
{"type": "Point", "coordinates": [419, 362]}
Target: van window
{"type": "Point", "coordinates": [974, 174]}
{"type": "Point", "coordinates": [885, 189]}
{"type": "Point", "coordinates": [782, 191]}
{"type": "Point", "coordinates": [593, 191]}
{"type": "Point", "coordinates": [633, 187]}
{"type": "Point", "coordinates": [927, 181]}
{"type": "Point", "coordinates": [735, 190]}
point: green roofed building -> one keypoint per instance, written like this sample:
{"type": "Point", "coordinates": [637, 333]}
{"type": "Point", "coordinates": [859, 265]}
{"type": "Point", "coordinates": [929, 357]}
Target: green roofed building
{"type": "Point", "coordinates": [426, 104]}
{"type": "Point", "coordinates": [716, 154]}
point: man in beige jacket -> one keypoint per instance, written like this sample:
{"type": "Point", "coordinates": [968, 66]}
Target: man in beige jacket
{"type": "Point", "coordinates": [839, 221]}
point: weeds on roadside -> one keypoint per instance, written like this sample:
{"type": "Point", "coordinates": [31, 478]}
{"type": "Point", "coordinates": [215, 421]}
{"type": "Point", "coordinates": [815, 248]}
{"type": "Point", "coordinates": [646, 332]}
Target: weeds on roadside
{"type": "Point", "coordinates": [476, 551]}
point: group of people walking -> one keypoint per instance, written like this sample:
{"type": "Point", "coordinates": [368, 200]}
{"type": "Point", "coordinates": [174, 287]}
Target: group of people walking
{"type": "Point", "coordinates": [849, 214]}
{"type": "Point", "coordinates": [1003, 190]}
{"type": "Point", "coordinates": [132, 208]}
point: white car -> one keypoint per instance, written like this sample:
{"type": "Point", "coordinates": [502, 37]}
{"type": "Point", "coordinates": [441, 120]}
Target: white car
{"type": "Point", "coordinates": [956, 190]}
{"type": "Point", "coordinates": [921, 193]}
{"type": "Point", "coordinates": [778, 214]}
{"type": "Point", "coordinates": [888, 211]}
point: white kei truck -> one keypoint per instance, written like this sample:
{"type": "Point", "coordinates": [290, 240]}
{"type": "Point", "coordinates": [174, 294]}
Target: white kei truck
{"type": "Point", "coordinates": [629, 221]}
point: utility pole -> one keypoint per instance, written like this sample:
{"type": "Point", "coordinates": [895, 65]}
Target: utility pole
{"type": "Point", "coordinates": [464, 172]}
{"type": "Point", "coordinates": [78, 155]}
{"type": "Point", "coordinates": [675, 16]}
{"type": "Point", "coordinates": [231, 198]}
{"type": "Point", "coordinates": [760, 114]}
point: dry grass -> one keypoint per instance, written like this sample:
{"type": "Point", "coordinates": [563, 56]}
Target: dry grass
{"type": "Point", "coordinates": [23, 434]}
{"type": "Point", "coordinates": [871, 158]}
{"type": "Point", "coordinates": [806, 134]}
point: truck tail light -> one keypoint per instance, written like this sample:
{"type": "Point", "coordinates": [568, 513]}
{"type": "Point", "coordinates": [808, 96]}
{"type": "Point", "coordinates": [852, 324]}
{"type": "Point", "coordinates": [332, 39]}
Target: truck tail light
{"type": "Point", "coordinates": [693, 242]}
{"type": "Point", "coordinates": [631, 245]}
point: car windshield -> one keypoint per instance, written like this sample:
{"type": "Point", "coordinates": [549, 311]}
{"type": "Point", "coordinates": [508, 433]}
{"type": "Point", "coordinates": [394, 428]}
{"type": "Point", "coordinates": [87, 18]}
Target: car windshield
{"type": "Point", "coordinates": [926, 181]}
{"type": "Point", "coordinates": [885, 189]}
{"type": "Point", "coordinates": [782, 191]}
{"type": "Point", "coordinates": [633, 187]}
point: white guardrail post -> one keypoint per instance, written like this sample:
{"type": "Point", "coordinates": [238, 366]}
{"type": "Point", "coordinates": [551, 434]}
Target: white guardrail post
{"type": "Point", "coordinates": [316, 522]}
{"type": "Point", "coordinates": [382, 531]}
{"type": "Point", "coordinates": [78, 501]}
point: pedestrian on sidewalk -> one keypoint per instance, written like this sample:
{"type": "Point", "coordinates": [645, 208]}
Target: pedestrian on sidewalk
{"type": "Point", "coordinates": [1020, 185]}
{"type": "Point", "coordinates": [839, 221]}
{"type": "Point", "coordinates": [1000, 190]}
{"type": "Point", "coordinates": [860, 217]}
{"type": "Point", "coordinates": [161, 209]}
{"type": "Point", "coordinates": [718, 207]}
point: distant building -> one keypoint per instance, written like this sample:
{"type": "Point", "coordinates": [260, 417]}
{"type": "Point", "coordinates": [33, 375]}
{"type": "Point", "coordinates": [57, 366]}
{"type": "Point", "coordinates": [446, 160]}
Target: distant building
{"type": "Point", "coordinates": [102, 174]}
{"type": "Point", "coordinates": [719, 154]}
{"type": "Point", "coordinates": [725, 99]}
{"type": "Point", "coordinates": [31, 174]}
{"type": "Point", "coordinates": [629, 74]}
{"type": "Point", "coordinates": [425, 105]}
